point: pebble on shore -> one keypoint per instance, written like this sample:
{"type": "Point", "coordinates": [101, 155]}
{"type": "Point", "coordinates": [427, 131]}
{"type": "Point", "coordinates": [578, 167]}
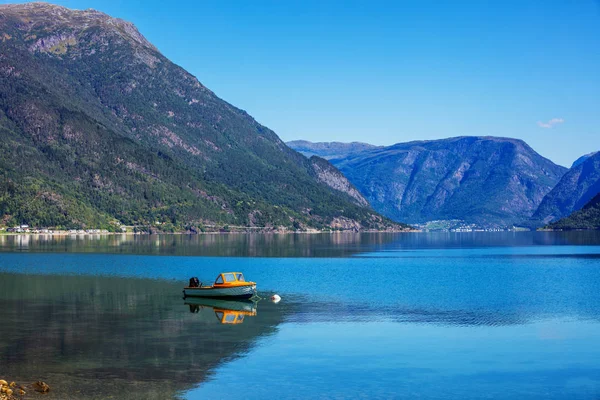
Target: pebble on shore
{"type": "Point", "coordinates": [14, 391]}
{"type": "Point", "coordinates": [6, 390]}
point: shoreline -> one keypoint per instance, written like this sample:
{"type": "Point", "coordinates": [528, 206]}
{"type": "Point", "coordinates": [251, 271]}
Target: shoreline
{"type": "Point", "coordinates": [261, 232]}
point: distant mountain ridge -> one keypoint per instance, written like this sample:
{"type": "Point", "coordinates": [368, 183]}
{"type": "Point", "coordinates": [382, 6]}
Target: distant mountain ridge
{"type": "Point", "coordinates": [329, 150]}
{"type": "Point", "coordinates": [582, 159]}
{"type": "Point", "coordinates": [97, 127]}
{"type": "Point", "coordinates": [575, 189]}
{"type": "Point", "coordinates": [490, 181]}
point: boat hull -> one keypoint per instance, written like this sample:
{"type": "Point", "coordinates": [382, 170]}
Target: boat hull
{"type": "Point", "coordinates": [236, 292]}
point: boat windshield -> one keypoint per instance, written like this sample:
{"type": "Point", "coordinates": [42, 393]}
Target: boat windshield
{"type": "Point", "coordinates": [230, 318]}
{"type": "Point", "coordinates": [240, 277]}
{"type": "Point", "coordinates": [229, 277]}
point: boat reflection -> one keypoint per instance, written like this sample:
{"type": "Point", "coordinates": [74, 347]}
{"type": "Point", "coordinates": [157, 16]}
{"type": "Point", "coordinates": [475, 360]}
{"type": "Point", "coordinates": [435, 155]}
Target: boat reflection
{"type": "Point", "coordinates": [231, 312]}
{"type": "Point", "coordinates": [139, 327]}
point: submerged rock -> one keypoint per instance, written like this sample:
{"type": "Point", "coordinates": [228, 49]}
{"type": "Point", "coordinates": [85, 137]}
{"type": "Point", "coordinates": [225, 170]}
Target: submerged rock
{"type": "Point", "coordinates": [41, 387]}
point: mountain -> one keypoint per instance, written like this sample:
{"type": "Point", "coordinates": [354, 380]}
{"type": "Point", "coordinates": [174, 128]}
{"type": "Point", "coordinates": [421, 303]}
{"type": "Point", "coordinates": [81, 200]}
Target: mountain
{"type": "Point", "coordinates": [581, 159]}
{"type": "Point", "coordinates": [576, 188]}
{"type": "Point", "coordinates": [97, 128]}
{"type": "Point", "coordinates": [329, 150]}
{"type": "Point", "coordinates": [332, 177]}
{"type": "Point", "coordinates": [488, 181]}
{"type": "Point", "coordinates": [586, 218]}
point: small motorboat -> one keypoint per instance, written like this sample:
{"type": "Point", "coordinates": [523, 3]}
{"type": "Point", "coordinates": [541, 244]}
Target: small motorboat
{"type": "Point", "coordinates": [231, 285]}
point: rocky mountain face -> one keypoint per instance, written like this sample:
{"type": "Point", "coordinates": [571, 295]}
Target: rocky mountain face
{"type": "Point", "coordinates": [332, 177]}
{"type": "Point", "coordinates": [582, 159]}
{"type": "Point", "coordinates": [487, 181]}
{"type": "Point", "coordinates": [329, 150]}
{"type": "Point", "coordinates": [576, 188]}
{"type": "Point", "coordinates": [97, 126]}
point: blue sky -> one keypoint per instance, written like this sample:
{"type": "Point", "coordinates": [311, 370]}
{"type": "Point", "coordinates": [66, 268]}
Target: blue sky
{"type": "Point", "coordinates": [388, 72]}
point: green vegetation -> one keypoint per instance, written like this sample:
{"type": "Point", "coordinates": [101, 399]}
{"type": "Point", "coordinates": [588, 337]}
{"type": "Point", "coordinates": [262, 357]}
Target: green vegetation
{"type": "Point", "coordinates": [442, 225]}
{"type": "Point", "coordinates": [98, 128]}
{"type": "Point", "coordinates": [588, 218]}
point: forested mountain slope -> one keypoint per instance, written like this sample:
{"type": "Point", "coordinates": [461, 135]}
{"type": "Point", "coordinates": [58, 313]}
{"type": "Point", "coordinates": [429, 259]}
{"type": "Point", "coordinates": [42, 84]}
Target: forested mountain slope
{"type": "Point", "coordinates": [587, 218]}
{"type": "Point", "coordinates": [97, 126]}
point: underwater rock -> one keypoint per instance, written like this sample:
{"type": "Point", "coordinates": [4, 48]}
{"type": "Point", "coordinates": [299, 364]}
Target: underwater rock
{"type": "Point", "coordinates": [41, 387]}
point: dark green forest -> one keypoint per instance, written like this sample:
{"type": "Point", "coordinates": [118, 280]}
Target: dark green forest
{"type": "Point", "coordinates": [588, 218]}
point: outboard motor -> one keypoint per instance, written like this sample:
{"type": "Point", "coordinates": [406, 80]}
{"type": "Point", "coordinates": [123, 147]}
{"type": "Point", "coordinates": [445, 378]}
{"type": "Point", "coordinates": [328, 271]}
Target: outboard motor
{"type": "Point", "coordinates": [194, 282]}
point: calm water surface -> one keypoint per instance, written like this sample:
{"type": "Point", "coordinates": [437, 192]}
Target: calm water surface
{"type": "Point", "coordinates": [435, 316]}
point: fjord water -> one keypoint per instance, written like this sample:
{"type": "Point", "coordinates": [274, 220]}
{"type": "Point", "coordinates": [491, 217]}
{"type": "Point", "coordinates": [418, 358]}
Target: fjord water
{"type": "Point", "coordinates": [441, 316]}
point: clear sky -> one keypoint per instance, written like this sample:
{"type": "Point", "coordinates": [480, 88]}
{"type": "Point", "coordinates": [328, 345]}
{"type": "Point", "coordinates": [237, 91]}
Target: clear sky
{"type": "Point", "coordinates": [388, 72]}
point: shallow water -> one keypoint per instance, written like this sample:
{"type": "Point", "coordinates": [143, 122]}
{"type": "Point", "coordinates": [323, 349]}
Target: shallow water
{"type": "Point", "coordinates": [441, 316]}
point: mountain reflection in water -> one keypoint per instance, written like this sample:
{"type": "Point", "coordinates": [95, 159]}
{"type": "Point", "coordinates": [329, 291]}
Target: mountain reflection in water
{"type": "Point", "coordinates": [129, 338]}
{"type": "Point", "coordinates": [335, 244]}
{"type": "Point", "coordinates": [430, 315]}
{"type": "Point", "coordinates": [92, 336]}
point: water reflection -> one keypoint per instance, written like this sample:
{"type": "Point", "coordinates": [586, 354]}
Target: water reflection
{"type": "Point", "coordinates": [78, 333]}
{"type": "Point", "coordinates": [402, 317]}
{"type": "Point", "coordinates": [231, 312]}
{"type": "Point", "coordinates": [357, 312]}
{"type": "Point", "coordinates": [336, 244]}
{"type": "Point", "coordinates": [233, 245]}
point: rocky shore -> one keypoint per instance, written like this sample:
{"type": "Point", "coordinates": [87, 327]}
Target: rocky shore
{"type": "Point", "coordinates": [15, 391]}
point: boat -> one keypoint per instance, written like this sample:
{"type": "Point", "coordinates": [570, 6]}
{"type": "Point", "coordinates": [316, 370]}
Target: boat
{"type": "Point", "coordinates": [226, 311]}
{"type": "Point", "coordinates": [228, 285]}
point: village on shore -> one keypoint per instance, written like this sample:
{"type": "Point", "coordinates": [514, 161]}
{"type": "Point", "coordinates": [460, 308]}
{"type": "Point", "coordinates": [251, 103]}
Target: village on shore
{"type": "Point", "coordinates": [51, 231]}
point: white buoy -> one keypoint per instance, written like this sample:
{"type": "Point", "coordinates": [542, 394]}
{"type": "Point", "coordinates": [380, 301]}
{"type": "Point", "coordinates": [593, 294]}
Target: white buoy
{"type": "Point", "coordinates": [275, 298]}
